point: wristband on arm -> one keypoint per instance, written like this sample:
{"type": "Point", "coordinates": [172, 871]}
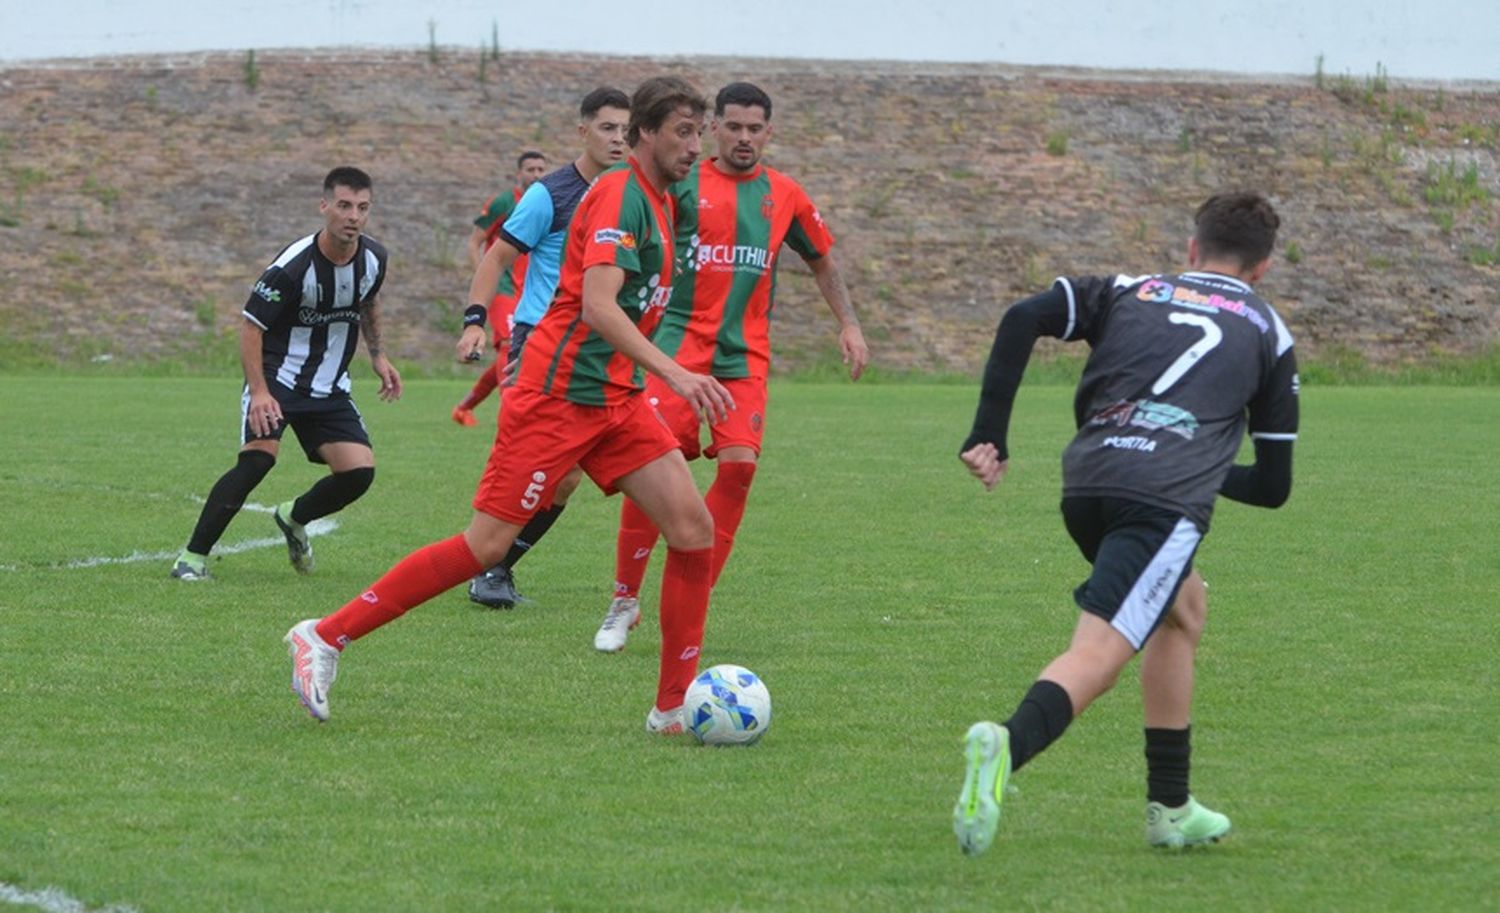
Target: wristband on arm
{"type": "Point", "coordinates": [476, 315]}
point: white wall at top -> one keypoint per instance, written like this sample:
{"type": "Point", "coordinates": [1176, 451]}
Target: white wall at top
{"type": "Point", "coordinates": [1440, 39]}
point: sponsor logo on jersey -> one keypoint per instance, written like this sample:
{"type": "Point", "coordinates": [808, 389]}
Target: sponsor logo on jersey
{"type": "Point", "coordinates": [1158, 291]}
{"type": "Point", "coordinates": [311, 317]}
{"type": "Point", "coordinates": [266, 293]}
{"type": "Point", "coordinates": [615, 236]}
{"type": "Point", "coordinates": [1135, 442]}
{"type": "Point", "coordinates": [653, 295]}
{"type": "Point", "coordinates": [746, 258]}
{"type": "Point", "coordinates": [1148, 415]}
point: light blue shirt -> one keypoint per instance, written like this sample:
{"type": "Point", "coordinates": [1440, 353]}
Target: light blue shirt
{"type": "Point", "coordinates": [539, 226]}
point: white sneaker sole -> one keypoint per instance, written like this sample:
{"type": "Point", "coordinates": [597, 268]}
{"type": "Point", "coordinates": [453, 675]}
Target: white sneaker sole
{"type": "Point", "coordinates": [976, 815]}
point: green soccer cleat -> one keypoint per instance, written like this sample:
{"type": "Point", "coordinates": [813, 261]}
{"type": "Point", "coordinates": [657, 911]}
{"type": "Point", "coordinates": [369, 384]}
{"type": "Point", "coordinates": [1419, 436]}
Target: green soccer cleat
{"type": "Point", "coordinates": [977, 813]}
{"type": "Point", "coordinates": [298, 547]}
{"type": "Point", "coordinates": [1187, 825]}
{"type": "Point", "coordinates": [190, 567]}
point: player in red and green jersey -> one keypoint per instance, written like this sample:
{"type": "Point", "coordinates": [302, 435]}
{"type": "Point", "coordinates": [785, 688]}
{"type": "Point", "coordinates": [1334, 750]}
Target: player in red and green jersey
{"type": "Point", "coordinates": [529, 167]}
{"type": "Point", "coordinates": [577, 402]}
{"type": "Point", "coordinates": [734, 214]}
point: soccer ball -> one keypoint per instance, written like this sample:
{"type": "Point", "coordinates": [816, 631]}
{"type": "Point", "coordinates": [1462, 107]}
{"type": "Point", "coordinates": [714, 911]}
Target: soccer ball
{"type": "Point", "coordinates": [727, 705]}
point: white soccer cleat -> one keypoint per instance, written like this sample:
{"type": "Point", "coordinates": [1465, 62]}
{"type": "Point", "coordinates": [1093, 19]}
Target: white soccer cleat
{"type": "Point", "coordinates": [665, 722]}
{"type": "Point", "coordinates": [624, 613]}
{"type": "Point", "coordinates": [314, 667]}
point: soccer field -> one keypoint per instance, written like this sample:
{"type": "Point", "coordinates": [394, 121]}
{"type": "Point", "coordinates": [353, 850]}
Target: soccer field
{"type": "Point", "coordinates": [152, 756]}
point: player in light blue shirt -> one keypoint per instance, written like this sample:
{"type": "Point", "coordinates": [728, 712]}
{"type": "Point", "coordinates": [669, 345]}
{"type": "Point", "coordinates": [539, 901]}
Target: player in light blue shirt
{"type": "Point", "coordinates": [538, 226]}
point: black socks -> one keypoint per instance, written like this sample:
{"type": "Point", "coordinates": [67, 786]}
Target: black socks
{"type": "Point", "coordinates": [532, 533]}
{"type": "Point", "coordinates": [1045, 712]}
{"type": "Point", "coordinates": [1167, 755]}
{"type": "Point", "coordinates": [227, 497]}
{"type": "Point", "coordinates": [332, 493]}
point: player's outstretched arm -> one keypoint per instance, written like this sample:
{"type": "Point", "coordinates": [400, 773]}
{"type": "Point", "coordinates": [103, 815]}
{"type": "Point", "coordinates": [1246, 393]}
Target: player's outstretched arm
{"type": "Point", "coordinates": [851, 338]}
{"type": "Point", "coordinates": [601, 285]}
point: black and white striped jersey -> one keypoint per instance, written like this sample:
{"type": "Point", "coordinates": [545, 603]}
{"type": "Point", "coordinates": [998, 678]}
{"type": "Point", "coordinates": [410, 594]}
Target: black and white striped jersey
{"type": "Point", "coordinates": [310, 311]}
{"type": "Point", "coordinates": [1180, 364]}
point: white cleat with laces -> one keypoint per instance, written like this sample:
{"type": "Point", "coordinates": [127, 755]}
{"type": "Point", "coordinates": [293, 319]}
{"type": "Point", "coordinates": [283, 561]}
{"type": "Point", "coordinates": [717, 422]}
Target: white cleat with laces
{"type": "Point", "coordinates": [624, 613]}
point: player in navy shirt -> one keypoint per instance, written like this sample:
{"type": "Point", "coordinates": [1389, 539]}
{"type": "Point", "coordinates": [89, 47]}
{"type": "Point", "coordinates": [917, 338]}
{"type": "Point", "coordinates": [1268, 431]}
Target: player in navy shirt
{"type": "Point", "coordinates": [301, 324]}
{"type": "Point", "coordinates": [538, 226]}
{"type": "Point", "coordinates": [1181, 366]}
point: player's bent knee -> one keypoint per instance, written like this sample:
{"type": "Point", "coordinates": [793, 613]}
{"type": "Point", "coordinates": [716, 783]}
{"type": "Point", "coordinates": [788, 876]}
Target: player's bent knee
{"type": "Point", "coordinates": [689, 530]}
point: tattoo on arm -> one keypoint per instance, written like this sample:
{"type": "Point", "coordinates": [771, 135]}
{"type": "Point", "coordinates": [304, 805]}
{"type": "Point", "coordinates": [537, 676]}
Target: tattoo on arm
{"type": "Point", "coordinates": [831, 284]}
{"type": "Point", "coordinates": [369, 327]}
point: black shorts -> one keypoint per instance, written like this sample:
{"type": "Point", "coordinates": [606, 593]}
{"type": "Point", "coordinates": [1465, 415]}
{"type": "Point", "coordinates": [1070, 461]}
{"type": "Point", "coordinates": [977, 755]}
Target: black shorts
{"type": "Point", "coordinates": [1140, 553]}
{"type": "Point", "coordinates": [330, 420]}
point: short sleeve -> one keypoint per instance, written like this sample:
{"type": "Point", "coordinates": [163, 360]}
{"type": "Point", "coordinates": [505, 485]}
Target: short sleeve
{"type": "Point", "coordinates": [531, 221]}
{"type": "Point", "coordinates": [1089, 301]}
{"type": "Point", "coordinates": [808, 235]}
{"type": "Point", "coordinates": [274, 292]}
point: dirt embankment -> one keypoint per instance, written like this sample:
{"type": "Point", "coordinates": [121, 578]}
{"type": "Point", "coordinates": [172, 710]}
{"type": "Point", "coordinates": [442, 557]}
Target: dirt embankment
{"type": "Point", "coordinates": [140, 197]}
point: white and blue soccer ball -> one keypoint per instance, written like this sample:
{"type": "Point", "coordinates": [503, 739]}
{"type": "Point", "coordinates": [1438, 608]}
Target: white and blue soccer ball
{"type": "Point", "coordinates": [727, 705]}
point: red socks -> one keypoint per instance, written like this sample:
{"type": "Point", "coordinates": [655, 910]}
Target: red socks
{"type": "Point", "coordinates": [726, 502]}
{"type": "Point", "coordinates": [633, 546]}
{"type": "Point", "coordinates": [483, 387]}
{"type": "Point", "coordinates": [415, 579]}
{"type": "Point", "coordinates": [684, 607]}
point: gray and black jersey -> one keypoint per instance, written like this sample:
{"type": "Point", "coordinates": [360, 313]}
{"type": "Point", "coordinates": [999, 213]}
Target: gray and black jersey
{"type": "Point", "coordinates": [310, 311]}
{"type": "Point", "coordinates": [1179, 364]}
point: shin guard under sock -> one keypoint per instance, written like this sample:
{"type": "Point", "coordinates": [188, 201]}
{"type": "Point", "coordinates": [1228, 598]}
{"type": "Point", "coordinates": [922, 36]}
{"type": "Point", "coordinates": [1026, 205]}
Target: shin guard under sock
{"type": "Point", "coordinates": [726, 502]}
{"type": "Point", "coordinates": [633, 545]}
{"type": "Point", "coordinates": [227, 497]}
{"type": "Point", "coordinates": [1044, 714]}
{"type": "Point", "coordinates": [684, 609]}
{"type": "Point", "coordinates": [415, 579]}
{"type": "Point", "coordinates": [332, 493]}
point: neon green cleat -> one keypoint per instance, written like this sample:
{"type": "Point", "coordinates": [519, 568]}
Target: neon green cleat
{"type": "Point", "coordinates": [977, 813]}
{"type": "Point", "coordinates": [190, 567]}
{"type": "Point", "coordinates": [298, 547]}
{"type": "Point", "coordinates": [1188, 825]}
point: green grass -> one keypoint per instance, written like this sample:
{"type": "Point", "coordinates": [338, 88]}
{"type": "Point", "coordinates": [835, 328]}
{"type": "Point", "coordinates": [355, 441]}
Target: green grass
{"type": "Point", "coordinates": [153, 756]}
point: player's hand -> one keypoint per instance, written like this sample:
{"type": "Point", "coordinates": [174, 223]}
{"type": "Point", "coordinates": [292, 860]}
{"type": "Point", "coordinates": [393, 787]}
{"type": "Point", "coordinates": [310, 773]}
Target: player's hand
{"type": "Point", "coordinates": [856, 353]}
{"type": "Point", "coordinates": [471, 344]}
{"type": "Point", "coordinates": [264, 415]}
{"type": "Point", "coordinates": [390, 378]}
{"type": "Point", "coordinates": [711, 402]}
{"type": "Point", "coordinates": [985, 464]}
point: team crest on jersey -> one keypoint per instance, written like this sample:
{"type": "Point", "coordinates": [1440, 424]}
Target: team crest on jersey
{"type": "Point", "coordinates": [621, 239]}
{"type": "Point", "coordinates": [766, 206]}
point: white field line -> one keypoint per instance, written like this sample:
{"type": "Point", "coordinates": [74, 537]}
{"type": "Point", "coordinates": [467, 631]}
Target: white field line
{"type": "Point", "coordinates": [320, 527]}
{"type": "Point", "coordinates": [53, 900]}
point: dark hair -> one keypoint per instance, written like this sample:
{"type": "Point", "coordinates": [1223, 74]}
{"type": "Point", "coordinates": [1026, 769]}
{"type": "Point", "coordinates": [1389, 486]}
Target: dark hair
{"type": "Point", "coordinates": [346, 176]}
{"type": "Point", "coordinates": [742, 93]}
{"type": "Point", "coordinates": [527, 156]}
{"type": "Point", "coordinates": [1239, 224]}
{"type": "Point", "coordinates": [657, 99]}
{"type": "Point", "coordinates": [602, 97]}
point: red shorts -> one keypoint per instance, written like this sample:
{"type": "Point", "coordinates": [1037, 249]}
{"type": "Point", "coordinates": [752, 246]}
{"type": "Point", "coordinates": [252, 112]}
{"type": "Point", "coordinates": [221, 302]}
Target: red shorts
{"type": "Point", "coordinates": [744, 427]}
{"type": "Point", "coordinates": [502, 317]}
{"type": "Point", "coordinates": [541, 437]}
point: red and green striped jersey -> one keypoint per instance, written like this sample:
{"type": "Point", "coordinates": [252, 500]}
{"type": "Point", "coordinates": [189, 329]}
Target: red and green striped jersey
{"type": "Point", "coordinates": [496, 211]}
{"type": "Point", "coordinates": [730, 229]}
{"type": "Point", "coordinates": [622, 221]}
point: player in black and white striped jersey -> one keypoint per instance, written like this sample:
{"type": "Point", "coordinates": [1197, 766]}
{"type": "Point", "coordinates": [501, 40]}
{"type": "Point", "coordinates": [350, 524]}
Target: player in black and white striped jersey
{"type": "Point", "coordinates": [301, 325]}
